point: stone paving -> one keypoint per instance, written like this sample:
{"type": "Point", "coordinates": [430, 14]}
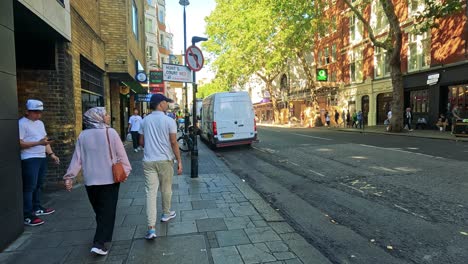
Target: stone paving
{"type": "Point", "coordinates": [220, 220]}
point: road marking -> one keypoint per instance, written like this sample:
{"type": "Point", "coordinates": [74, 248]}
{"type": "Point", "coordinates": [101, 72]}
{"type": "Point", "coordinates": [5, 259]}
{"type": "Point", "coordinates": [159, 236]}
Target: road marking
{"type": "Point", "coordinates": [317, 173]}
{"type": "Point", "coordinates": [295, 164]}
{"type": "Point", "coordinates": [302, 135]}
{"type": "Point", "coordinates": [403, 151]}
{"type": "Point", "coordinates": [408, 211]}
{"type": "Point", "coordinates": [351, 187]}
{"type": "Point", "coordinates": [265, 150]}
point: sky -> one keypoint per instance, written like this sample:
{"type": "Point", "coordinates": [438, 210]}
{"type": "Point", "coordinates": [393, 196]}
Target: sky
{"type": "Point", "coordinates": [196, 12]}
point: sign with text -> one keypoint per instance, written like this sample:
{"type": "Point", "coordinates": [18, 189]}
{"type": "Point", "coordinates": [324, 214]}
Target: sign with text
{"type": "Point", "coordinates": [176, 73]}
{"type": "Point", "coordinates": [156, 77]}
{"type": "Point", "coordinates": [142, 97]}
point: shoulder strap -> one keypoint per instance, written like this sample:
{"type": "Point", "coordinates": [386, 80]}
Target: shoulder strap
{"type": "Point", "coordinates": [108, 143]}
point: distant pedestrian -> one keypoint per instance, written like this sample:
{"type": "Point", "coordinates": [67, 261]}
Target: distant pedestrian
{"type": "Point", "coordinates": [134, 123]}
{"type": "Point", "coordinates": [343, 117]}
{"type": "Point", "coordinates": [35, 145]}
{"type": "Point", "coordinates": [158, 136]}
{"type": "Point", "coordinates": [455, 116]}
{"type": "Point", "coordinates": [337, 117]}
{"type": "Point", "coordinates": [355, 119]}
{"type": "Point", "coordinates": [92, 156]}
{"type": "Point", "coordinates": [388, 121]}
{"type": "Point", "coordinates": [348, 119]}
{"type": "Point", "coordinates": [408, 118]}
{"type": "Point", "coordinates": [327, 118]}
{"type": "Point", "coordinates": [360, 120]}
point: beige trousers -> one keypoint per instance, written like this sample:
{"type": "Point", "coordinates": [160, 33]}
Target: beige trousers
{"type": "Point", "coordinates": [157, 173]}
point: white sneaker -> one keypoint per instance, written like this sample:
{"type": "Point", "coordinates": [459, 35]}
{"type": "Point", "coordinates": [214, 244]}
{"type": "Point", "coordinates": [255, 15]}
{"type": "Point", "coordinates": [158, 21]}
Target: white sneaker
{"type": "Point", "coordinates": [99, 251]}
{"type": "Point", "coordinates": [136, 150]}
{"type": "Point", "coordinates": [140, 148]}
{"type": "Point", "coordinates": [167, 217]}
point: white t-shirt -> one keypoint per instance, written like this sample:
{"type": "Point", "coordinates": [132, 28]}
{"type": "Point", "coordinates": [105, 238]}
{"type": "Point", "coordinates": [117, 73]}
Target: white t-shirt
{"type": "Point", "coordinates": [389, 115]}
{"type": "Point", "coordinates": [156, 128]}
{"type": "Point", "coordinates": [32, 131]}
{"type": "Point", "coordinates": [135, 121]}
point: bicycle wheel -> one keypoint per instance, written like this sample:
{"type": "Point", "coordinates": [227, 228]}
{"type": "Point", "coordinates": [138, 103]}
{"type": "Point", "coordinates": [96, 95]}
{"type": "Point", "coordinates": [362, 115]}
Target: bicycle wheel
{"type": "Point", "coordinates": [183, 144]}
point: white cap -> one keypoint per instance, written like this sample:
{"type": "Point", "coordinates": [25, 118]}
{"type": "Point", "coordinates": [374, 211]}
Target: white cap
{"type": "Point", "coordinates": [34, 105]}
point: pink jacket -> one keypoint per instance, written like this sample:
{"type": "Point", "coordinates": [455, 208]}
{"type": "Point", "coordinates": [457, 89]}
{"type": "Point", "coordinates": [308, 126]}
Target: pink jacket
{"type": "Point", "coordinates": [92, 155]}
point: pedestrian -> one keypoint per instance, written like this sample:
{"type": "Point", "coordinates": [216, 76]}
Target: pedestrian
{"type": "Point", "coordinates": [408, 118]}
{"type": "Point", "coordinates": [158, 136]}
{"type": "Point", "coordinates": [343, 117]}
{"type": "Point", "coordinates": [35, 146]}
{"type": "Point", "coordinates": [337, 117]}
{"type": "Point", "coordinates": [388, 121]}
{"type": "Point", "coordinates": [360, 120]}
{"type": "Point", "coordinates": [455, 116]}
{"type": "Point", "coordinates": [134, 123]}
{"type": "Point", "coordinates": [93, 156]}
{"type": "Point", "coordinates": [327, 119]}
{"type": "Point", "coordinates": [355, 119]}
{"type": "Point", "coordinates": [348, 119]}
{"type": "Point", "coordinates": [442, 122]}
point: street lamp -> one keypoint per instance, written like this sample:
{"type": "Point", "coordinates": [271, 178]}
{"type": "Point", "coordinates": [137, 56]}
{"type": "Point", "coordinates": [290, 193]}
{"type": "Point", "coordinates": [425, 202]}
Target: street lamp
{"type": "Point", "coordinates": [194, 153]}
{"type": "Point", "coordinates": [185, 3]}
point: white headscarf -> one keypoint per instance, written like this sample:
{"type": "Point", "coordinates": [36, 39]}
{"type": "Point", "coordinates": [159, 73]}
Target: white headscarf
{"type": "Point", "coordinates": [95, 118]}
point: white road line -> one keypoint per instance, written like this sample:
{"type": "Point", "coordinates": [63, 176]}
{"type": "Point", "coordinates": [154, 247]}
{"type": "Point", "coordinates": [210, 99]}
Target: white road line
{"type": "Point", "coordinates": [403, 151]}
{"type": "Point", "coordinates": [317, 173]}
{"type": "Point", "coordinates": [408, 211]}
{"type": "Point", "coordinates": [302, 135]}
{"type": "Point", "coordinates": [295, 164]}
{"type": "Point", "coordinates": [351, 187]}
{"type": "Point", "coordinates": [259, 149]}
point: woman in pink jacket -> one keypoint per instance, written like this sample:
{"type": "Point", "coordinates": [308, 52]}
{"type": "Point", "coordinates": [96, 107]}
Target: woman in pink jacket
{"type": "Point", "coordinates": [93, 157]}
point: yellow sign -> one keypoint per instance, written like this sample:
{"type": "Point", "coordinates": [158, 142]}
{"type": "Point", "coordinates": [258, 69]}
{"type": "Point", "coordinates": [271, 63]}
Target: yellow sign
{"type": "Point", "coordinates": [124, 89]}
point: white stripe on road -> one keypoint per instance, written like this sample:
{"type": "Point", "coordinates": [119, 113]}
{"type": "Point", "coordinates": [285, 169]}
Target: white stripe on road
{"type": "Point", "coordinates": [403, 151]}
{"type": "Point", "coordinates": [408, 211]}
{"type": "Point", "coordinates": [317, 173]}
{"type": "Point", "coordinates": [295, 164]}
{"type": "Point", "coordinates": [302, 135]}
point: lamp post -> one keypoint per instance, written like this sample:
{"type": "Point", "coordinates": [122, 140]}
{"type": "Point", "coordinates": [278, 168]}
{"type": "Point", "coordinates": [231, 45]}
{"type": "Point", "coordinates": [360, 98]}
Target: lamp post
{"type": "Point", "coordinates": [194, 153]}
{"type": "Point", "coordinates": [185, 3]}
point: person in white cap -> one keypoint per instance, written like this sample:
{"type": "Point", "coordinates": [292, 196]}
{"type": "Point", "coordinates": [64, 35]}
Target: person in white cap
{"type": "Point", "coordinates": [35, 145]}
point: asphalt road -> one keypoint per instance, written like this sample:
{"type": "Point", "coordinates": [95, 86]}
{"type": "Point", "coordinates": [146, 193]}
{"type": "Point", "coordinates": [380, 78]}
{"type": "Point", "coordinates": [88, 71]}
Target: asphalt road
{"type": "Point", "coordinates": [364, 198]}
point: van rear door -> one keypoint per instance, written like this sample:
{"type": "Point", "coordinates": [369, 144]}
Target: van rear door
{"type": "Point", "coordinates": [234, 118]}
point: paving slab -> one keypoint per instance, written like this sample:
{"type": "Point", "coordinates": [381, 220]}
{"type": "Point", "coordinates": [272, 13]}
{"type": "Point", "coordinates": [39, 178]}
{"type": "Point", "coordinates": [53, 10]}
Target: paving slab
{"type": "Point", "coordinates": [188, 249]}
{"type": "Point", "coordinates": [262, 234]}
{"type": "Point", "coordinates": [256, 253]}
{"type": "Point", "coordinates": [226, 255]}
{"type": "Point", "coordinates": [211, 224]}
{"type": "Point", "coordinates": [232, 238]}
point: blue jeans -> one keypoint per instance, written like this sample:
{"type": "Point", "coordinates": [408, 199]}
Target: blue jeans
{"type": "Point", "coordinates": [34, 170]}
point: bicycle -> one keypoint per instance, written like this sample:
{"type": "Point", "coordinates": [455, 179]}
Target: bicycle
{"type": "Point", "coordinates": [185, 141]}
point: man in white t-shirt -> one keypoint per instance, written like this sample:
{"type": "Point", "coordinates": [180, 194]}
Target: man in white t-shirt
{"type": "Point", "coordinates": [133, 127]}
{"type": "Point", "coordinates": [159, 137]}
{"type": "Point", "coordinates": [34, 147]}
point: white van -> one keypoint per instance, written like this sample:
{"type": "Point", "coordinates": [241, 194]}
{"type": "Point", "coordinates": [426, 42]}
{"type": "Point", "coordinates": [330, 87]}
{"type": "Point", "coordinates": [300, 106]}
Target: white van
{"type": "Point", "coordinates": [228, 119]}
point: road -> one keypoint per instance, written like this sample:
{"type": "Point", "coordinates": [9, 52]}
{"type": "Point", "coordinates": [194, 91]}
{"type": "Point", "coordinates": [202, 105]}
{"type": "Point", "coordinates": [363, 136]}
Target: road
{"type": "Point", "coordinates": [364, 198]}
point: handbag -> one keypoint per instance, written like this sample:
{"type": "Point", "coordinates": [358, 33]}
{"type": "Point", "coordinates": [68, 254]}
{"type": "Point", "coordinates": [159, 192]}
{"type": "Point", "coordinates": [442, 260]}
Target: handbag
{"type": "Point", "coordinates": [118, 171]}
{"type": "Point", "coordinates": [129, 137]}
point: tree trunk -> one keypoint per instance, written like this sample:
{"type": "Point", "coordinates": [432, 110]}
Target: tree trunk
{"type": "Point", "coordinates": [398, 98]}
{"type": "Point", "coordinates": [274, 101]}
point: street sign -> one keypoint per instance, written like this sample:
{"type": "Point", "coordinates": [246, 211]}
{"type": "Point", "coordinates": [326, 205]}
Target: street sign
{"type": "Point", "coordinates": [194, 58]}
{"type": "Point", "coordinates": [141, 77]}
{"type": "Point", "coordinates": [156, 77]}
{"type": "Point", "coordinates": [176, 73]}
{"type": "Point", "coordinates": [322, 75]}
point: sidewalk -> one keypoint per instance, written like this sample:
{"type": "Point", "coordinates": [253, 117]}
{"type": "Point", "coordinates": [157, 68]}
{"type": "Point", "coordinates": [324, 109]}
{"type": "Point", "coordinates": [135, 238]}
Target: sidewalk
{"type": "Point", "coordinates": [426, 133]}
{"type": "Point", "coordinates": [220, 220]}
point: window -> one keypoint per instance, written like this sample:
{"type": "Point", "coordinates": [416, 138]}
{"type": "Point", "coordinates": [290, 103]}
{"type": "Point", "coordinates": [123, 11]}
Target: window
{"type": "Point", "coordinates": [419, 101]}
{"type": "Point", "coordinates": [149, 25]}
{"type": "Point", "coordinates": [333, 53]}
{"type": "Point", "coordinates": [135, 19]}
{"type": "Point", "coordinates": [161, 15]}
{"type": "Point", "coordinates": [379, 21]}
{"type": "Point", "coordinates": [381, 63]}
{"type": "Point", "coordinates": [161, 40]}
{"type": "Point", "coordinates": [326, 56]}
{"type": "Point", "coordinates": [355, 29]}
{"type": "Point", "coordinates": [356, 65]}
{"type": "Point", "coordinates": [332, 76]}
{"type": "Point", "coordinates": [150, 52]}
{"type": "Point", "coordinates": [334, 23]}
{"type": "Point", "coordinates": [415, 6]}
{"type": "Point", "coordinates": [319, 58]}
{"type": "Point", "coordinates": [419, 49]}
{"type": "Point", "coordinates": [458, 95]}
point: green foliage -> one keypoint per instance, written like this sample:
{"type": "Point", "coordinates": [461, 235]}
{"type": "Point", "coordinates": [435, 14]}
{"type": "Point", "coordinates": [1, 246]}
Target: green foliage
{"type": "Point", "coordinates": [217, 85]}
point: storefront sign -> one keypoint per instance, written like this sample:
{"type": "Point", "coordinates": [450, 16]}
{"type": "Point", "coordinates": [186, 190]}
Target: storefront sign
{"type": "Point", "coordinates": [156, 77]}
{"type": "Point", "coordinates": [124, 90]}
{"type": "Point", "coordinates": [433, 79]}
{"type": "Point", "coordinates": [322, 75]}
{"type": "Point", "coordinates": [176, 73]}
{"type": "Point", "coordinates": [142, 97]}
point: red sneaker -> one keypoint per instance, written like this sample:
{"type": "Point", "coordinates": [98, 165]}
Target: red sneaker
{"type": "Point", "coordinates": [33, 221]}
{"type": "Point", "coordinates": [44, 211]}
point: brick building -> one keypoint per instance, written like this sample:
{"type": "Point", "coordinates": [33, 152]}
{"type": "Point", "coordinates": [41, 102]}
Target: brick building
{"type": "Point", "coordinates": [359, 77]}
{"type": "Point", "coordinates": [72, 55]}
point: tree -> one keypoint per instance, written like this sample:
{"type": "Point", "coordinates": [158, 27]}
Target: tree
{"type": "Point", "coordinates": [245, 41]}
{"type": "Point", "coordinates": [423, 21]}
{"type": "Point", "coordinates": [216, 85]}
